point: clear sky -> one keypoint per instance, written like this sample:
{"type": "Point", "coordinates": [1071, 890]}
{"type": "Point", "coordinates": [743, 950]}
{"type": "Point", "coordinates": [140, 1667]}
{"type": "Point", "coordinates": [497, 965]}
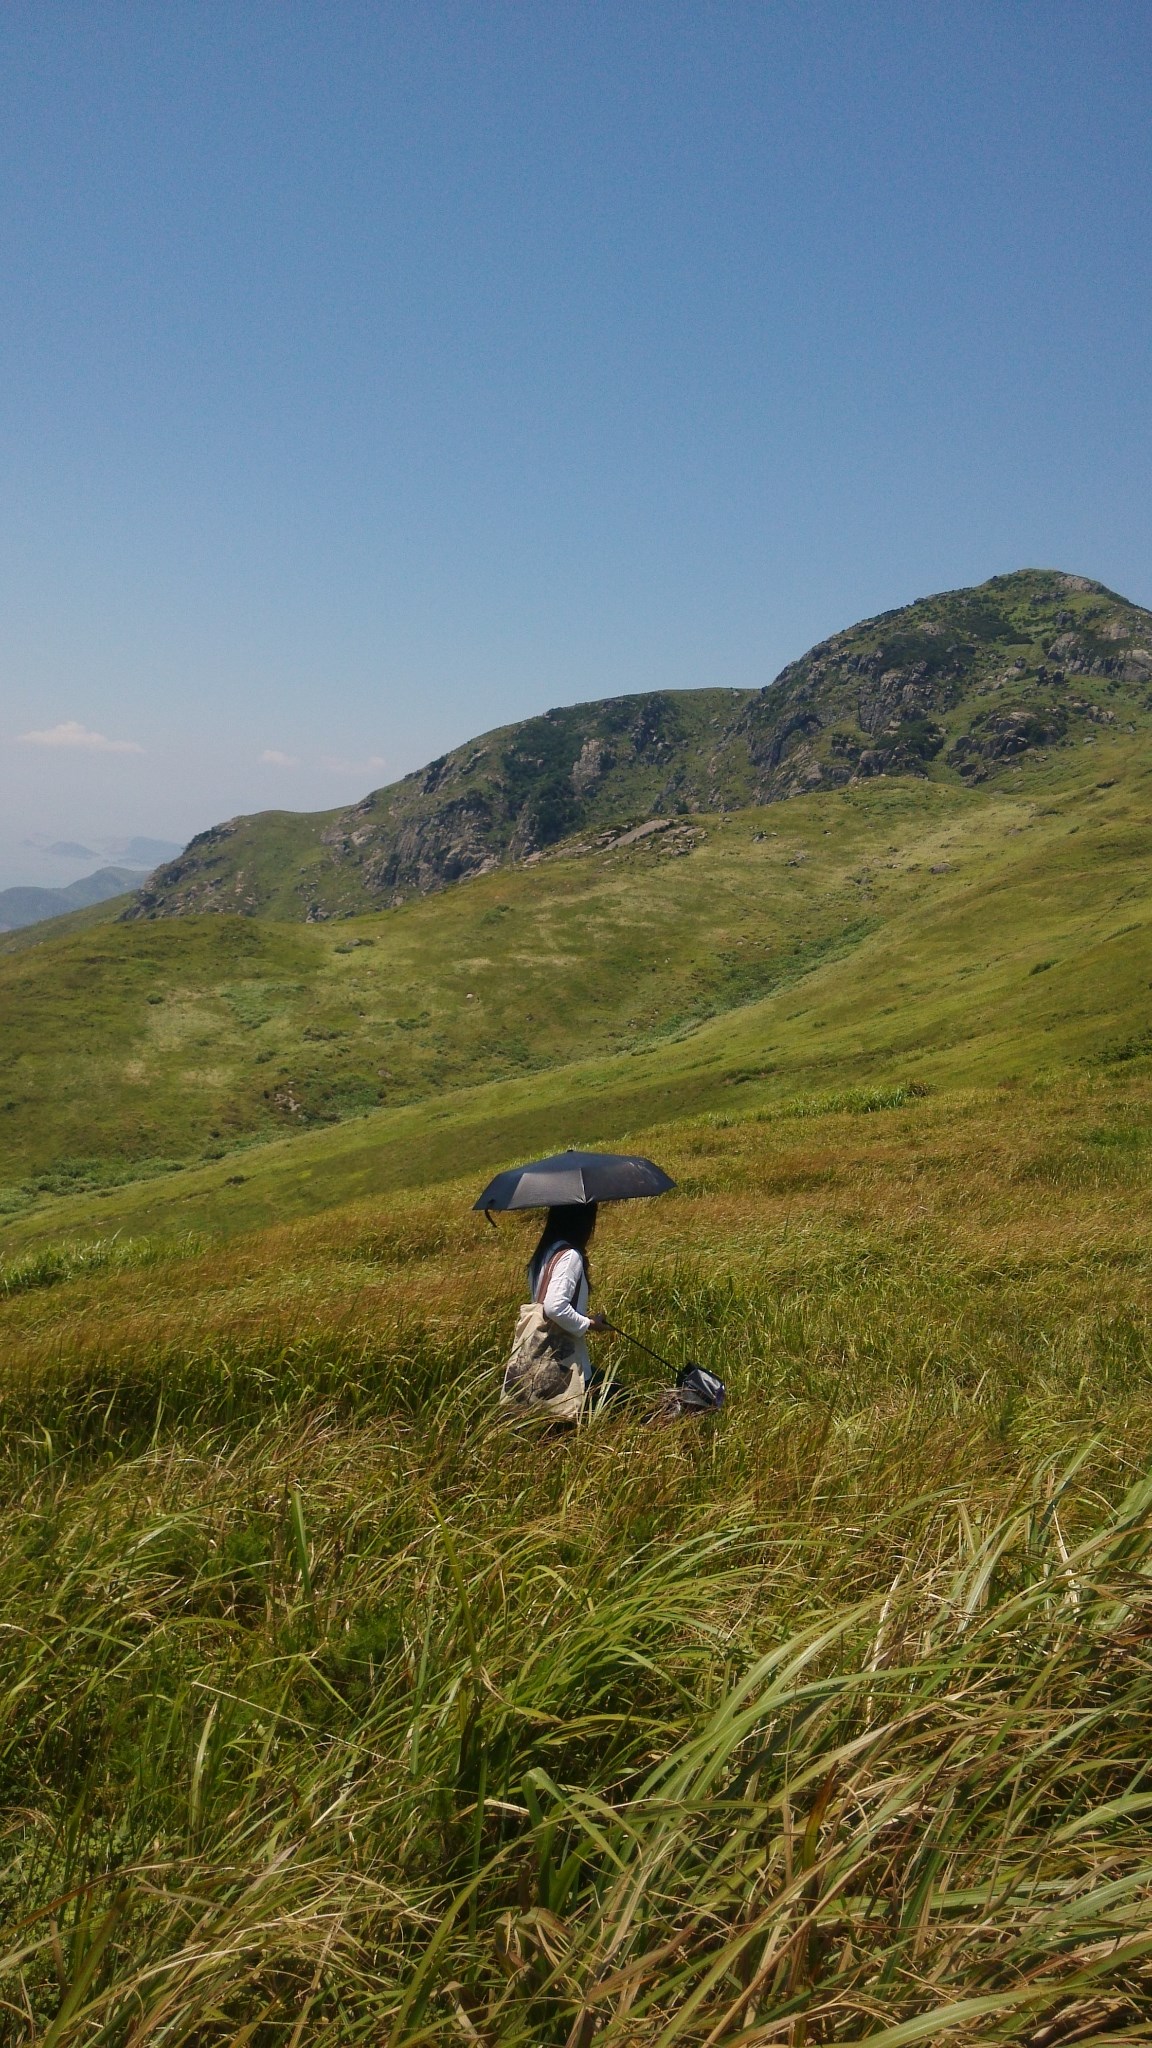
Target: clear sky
{"type": "Point", "coordinates": [371, 375]}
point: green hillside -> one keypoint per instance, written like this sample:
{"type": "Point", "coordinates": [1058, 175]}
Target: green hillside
{"type": "Point", "coordinates": [503, 797]}
{"type": "Point", "coordinates": [153, 1041]}
{"type": "Point", "coordinates": [899, 932]}
{"type": "Point", "coordinates": [949, 688]}
{"type": "Point", "coordinates": [63, 926]}
{"type": "Point", "coordinates": [951, 918]}
{"type": "Point", "coordinates": [338, 1709]}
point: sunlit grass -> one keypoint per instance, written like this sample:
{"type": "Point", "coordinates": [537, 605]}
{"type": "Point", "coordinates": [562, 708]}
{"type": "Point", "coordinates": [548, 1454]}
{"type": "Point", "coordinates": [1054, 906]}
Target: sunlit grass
{"type": "Point", "coordinates": [839, 951]}
{"type": "Point", "coordinates": [52, 1263]}
{"type": "Point", "coordinates": [334, 1708]}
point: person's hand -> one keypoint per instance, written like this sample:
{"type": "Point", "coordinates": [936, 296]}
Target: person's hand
{"type": "Point", "coordinates": [599, 1323]}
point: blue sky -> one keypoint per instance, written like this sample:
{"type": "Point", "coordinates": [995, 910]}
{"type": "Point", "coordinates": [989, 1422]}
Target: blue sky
{"type": "Point", "coordinates": [372, 375]}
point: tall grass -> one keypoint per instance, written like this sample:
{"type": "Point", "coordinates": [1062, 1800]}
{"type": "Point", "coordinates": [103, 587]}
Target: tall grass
{"type": "Point", "coordinates": [52, 1263]}
{"type": "Point", "coordinates": [332, 1708]}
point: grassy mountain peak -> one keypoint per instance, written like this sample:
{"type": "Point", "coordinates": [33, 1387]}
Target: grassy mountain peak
{"type": "Point", "coordinates": [954, 687]}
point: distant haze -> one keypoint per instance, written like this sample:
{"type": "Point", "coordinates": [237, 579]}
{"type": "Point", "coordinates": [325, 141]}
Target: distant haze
{"type": "Point", "coordinates": [21, 907]}
{"type": "Point", "coordinates": [39, 863]}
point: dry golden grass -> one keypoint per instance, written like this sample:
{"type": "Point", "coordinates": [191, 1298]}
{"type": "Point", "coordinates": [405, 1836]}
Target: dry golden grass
{"type": "Point", "coordinates": [335, 1710]}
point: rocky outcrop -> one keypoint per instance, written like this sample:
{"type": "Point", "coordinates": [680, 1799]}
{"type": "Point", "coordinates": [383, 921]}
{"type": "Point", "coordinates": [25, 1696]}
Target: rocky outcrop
{"type": "Point", "coordinates": [958, 685]}
{"type": "Point", "coordinates": [1004, 736]}
{"type": "Point", "coordinates": [202, 878]}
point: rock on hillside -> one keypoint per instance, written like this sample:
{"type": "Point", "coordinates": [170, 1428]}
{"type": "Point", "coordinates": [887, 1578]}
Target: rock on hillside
{"type": "Point", "coordinates": [965, 681]}
{"type": "Point", "coordinates": [503, 797]}
{"type": "Point", "coordinates": [955, 686]}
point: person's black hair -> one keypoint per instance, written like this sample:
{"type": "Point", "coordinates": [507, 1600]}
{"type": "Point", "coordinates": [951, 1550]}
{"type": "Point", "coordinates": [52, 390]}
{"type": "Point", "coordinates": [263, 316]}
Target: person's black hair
{"type": "Point", "coordinates": [569, 1223]}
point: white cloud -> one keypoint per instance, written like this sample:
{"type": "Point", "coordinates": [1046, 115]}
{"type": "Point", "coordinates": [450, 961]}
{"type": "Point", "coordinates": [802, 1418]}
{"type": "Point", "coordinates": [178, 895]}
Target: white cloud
{"type": "Point", "coordinates": [273, 758]}
{"type": "Point", "coordinates": [73, 734]}
{"type": "Point", "coordinates": [338, 766]}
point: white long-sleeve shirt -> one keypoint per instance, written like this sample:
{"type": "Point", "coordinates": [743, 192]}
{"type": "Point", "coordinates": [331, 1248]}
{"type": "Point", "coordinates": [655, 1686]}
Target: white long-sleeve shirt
{"type": "Point", "coordinates": [565, 1302]}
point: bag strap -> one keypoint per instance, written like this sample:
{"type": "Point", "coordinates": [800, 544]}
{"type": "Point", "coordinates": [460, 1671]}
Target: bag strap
{"type": "Point", "coordinates": [545, 1280]}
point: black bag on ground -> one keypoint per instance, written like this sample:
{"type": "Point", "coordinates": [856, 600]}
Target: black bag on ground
{"type": "Point", "coordinates": [696, 1393]}
{"type": "Point", "coordinates": [697, 1389]}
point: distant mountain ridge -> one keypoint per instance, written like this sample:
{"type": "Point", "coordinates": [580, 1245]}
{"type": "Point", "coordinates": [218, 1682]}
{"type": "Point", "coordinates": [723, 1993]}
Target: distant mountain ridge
{"type": "Point", "coordinates": [954, 686]}
{"type": "Point", "coordinates": [142, 854]}
{"type": "Point", "coordinates": [23, 906]}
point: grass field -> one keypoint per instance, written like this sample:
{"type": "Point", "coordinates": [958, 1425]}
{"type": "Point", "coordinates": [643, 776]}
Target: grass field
{"type": "Point", "coordinates": [336, 1710]}
{"type": "Point", "coordinates": [903, 933]}
{"type": "Point", "coordinates": [131, 1045]}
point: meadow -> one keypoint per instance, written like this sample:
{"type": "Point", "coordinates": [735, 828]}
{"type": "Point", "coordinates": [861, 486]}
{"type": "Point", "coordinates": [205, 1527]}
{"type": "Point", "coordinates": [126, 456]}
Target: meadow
{"type": "Point", "coordinates": [336, 1709]}
{"type": "Point", "coordinates": [221, 1073]}
{"type": "Point", "coordinates": [129, 1049]}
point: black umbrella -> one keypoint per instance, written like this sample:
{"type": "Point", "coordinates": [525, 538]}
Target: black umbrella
{"type": "Point", "coordinates": [575, 1177]}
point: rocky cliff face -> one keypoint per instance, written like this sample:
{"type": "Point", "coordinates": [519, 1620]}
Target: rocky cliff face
{"type": "Point", "coordinates": [963, 682]}
{"type": "Point", "coordinates": [955, 686]}
{"type": "Point", "coordinates": [521, 790]}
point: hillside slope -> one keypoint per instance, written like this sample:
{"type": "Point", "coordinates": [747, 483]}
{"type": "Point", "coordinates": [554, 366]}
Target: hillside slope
{"type": "Point", "coordinates": [328, 1690]}
{"type": "Point", "coordinates": [901, 933]}
{"type": "Point", "coordinates": [340, 1706]}
{"type": "Point", "coordinates": [951, 687]}
{"type": "Point", "coordinates": [124, 1045]}
{"type": "Point", "coordinates": [503, 797]}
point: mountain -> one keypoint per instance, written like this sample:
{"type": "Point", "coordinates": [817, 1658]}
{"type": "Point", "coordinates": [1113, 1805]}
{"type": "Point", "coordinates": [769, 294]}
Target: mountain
{"type": "Point", "coordinates": [136, 852]}
{"type": "Point", "coordinates": [822, 1708]}
{"type": "Point", "coordinates": [954, 687]}
{"type": "Point", "coordinates": [901, 931]}
{"type": "Point", "coordinates": [24, 906]}
{"type": "Point", "coordinates": [145, 853]}
{"type": "Point", "coordinates": [504, 797]}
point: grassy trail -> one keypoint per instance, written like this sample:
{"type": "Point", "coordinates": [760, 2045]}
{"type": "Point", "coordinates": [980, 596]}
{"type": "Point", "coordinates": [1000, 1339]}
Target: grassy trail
{"type": "Point", "coordinates": [336, 1711]}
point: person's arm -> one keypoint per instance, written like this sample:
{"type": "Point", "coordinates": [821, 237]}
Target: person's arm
{"type": "Point", "coordinates": [559, 1303]}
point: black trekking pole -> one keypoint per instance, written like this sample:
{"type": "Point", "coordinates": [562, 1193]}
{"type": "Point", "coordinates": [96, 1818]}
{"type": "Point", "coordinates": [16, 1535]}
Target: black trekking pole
{"type": "Point", "coordinates": [628, 1339]}
{"type": "Point", "coordinates": [696, 1388]}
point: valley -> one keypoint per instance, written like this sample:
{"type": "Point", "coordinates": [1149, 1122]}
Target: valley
{"type": "Point", "coordinates": [902, 931]}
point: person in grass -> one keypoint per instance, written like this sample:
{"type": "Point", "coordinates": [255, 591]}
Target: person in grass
{"type": "Point", "coordinates": [559, 1277]}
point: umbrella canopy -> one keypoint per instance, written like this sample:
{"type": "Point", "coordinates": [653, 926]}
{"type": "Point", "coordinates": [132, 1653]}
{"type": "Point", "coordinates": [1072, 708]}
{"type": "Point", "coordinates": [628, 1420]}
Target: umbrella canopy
{"type": "Point", "coordinates": [575, 1177]}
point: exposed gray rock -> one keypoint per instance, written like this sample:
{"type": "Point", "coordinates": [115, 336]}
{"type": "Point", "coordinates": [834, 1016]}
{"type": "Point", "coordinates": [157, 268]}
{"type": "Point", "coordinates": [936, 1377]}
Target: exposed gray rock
{"type": "Point", "coordinates": [957, 685]}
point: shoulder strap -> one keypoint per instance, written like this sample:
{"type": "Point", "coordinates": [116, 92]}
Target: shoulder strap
{"type": "Point", "coordinates": [545, 1280]}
